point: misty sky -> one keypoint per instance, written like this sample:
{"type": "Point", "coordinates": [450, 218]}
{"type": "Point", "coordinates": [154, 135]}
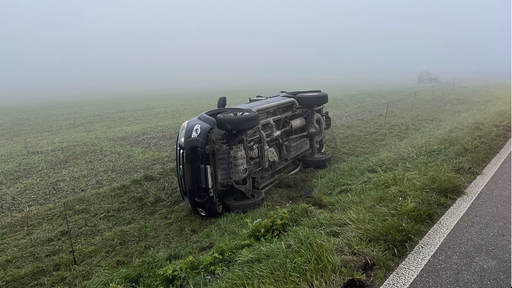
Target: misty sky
{"type": "Point", "coordinates": [95, 45]}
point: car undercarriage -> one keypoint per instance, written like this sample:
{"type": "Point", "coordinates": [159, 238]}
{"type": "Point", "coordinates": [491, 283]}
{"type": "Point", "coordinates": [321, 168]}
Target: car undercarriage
{"type": "Point", "coordinates": [228, 157]}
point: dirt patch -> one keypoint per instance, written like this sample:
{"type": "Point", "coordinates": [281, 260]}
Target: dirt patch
{"type": "Point", "coordinates": [354, 283]}
{"type": "Point", "coordinates": [206, 247]}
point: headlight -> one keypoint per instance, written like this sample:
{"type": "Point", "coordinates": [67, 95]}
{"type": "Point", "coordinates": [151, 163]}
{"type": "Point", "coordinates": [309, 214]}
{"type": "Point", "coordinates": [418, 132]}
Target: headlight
{"type": "Point", "coordinates": [181, 137]}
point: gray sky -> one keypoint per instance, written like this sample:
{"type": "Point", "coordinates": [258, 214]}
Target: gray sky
{"type": "Point", "coordinates": [123, 45]}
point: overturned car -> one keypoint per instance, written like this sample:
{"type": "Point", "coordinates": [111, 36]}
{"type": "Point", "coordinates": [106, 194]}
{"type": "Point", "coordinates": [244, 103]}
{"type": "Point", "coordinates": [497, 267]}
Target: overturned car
{"type": "Point", "coordinates": [227, 158]}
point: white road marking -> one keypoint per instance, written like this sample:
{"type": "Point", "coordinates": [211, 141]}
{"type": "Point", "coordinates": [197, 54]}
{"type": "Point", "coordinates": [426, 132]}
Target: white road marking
{"type": "Point", "coordinates": [412, 265]}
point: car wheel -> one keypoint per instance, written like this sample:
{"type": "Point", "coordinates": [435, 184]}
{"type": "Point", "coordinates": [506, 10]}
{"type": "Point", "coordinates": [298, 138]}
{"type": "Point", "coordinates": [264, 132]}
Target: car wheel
{"type": "Point", "coordinates": [237, 201]}
{"type": "Point", "coordinates": [312, 99]}
{"type": "Point", "coordinates": [317, 161]}
{"type": "Point", "coordinates": [235, 119]}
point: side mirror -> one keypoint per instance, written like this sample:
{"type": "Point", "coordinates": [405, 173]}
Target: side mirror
{"type": "Point", "coordinates": [221, 103]}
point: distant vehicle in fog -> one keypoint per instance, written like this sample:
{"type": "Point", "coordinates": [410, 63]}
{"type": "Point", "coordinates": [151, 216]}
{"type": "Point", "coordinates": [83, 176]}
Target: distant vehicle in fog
{"type": "Point", "coordinates": [426, 78]}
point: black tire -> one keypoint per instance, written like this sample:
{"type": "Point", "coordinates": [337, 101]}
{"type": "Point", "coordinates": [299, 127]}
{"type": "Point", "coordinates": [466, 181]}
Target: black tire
{"type": "Point", "coordinates": [237, 119]}
{"type": "Point", "coordinates": [312, 99]}
{"type": "Point", "coordinates": [237, 201]}
{"type": "Point", "coordinates": [319, 161]}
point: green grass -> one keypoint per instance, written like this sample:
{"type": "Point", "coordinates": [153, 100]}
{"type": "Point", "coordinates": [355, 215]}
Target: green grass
{"type": "Point", "coordinates": [50, 153]}
{"type": "Point", "coordinates": [387, 185]}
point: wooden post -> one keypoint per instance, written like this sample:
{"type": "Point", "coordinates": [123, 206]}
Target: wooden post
{"type": "Point", "coordinates": [69, 235]}
{"type": "Point", "coordinates": [386, 118]}
{"type": "Point", "coordinates": [334, 137]}
{"type": "Point", "coordinates": [413, 99]}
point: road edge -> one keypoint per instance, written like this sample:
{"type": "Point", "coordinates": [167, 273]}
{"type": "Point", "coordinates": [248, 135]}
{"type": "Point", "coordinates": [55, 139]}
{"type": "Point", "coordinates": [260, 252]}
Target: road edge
{"type": "Point", "coordinates": [419, 256]}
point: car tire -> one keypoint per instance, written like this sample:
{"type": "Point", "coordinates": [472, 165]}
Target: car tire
{"type": "Point", "coordinates": [319, 160]}
{"type": "Point", "coordinates": [237, 201]}
{"type": "Point", "coordinates": [236, 119]}
{"type": "Point", "coordinates": [312, 99]}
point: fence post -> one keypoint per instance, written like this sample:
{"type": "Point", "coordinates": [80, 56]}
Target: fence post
{"type": "Point", "coordinates": [69, 234]}
{"type": "Point", "coordinates": [413, 99]}
{"type": "Point", "coordinates": [386, 118]}
{"type": "Point", "coordinates": [334, 137]}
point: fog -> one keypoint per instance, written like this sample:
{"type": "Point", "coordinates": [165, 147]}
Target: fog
{"type": "Point", "coordinates": [120, 47]}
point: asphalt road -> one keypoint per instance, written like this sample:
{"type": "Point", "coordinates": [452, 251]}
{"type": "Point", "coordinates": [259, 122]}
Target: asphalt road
{"type": "Point", "coordinates": [477, 251]}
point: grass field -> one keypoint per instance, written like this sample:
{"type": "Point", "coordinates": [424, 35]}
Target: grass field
{"type": "Point", "coordinates": [113, 163]}
{"type": "Point", "coordinates": [54, 151]}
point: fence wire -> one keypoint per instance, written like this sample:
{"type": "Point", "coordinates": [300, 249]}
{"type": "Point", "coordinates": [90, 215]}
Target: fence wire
{"type": "Point", "coordinates": [402, 105]}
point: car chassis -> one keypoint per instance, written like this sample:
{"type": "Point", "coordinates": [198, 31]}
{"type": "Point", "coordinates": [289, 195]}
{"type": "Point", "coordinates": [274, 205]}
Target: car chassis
{"type": "Point", "coordinates": [227, 158]}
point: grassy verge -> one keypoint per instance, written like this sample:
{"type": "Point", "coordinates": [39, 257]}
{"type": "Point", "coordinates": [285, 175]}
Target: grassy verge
{"type": "Point", "coordinates": [388, 184]}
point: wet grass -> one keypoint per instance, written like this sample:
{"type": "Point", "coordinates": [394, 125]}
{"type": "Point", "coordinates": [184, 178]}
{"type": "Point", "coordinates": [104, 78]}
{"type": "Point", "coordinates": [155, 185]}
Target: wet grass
{"type": "Point", "coordinates": [387, 185]}
{"type": "Point", "coordinates": [50, 153]}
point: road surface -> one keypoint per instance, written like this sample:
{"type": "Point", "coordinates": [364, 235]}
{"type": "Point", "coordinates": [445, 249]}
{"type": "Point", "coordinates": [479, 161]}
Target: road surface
{"type": "Point", "coordinates": [470, 246]}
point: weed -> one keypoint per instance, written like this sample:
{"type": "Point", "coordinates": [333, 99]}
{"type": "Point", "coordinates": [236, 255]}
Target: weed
{"type": "Point", "coordinates": [274, 224]}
